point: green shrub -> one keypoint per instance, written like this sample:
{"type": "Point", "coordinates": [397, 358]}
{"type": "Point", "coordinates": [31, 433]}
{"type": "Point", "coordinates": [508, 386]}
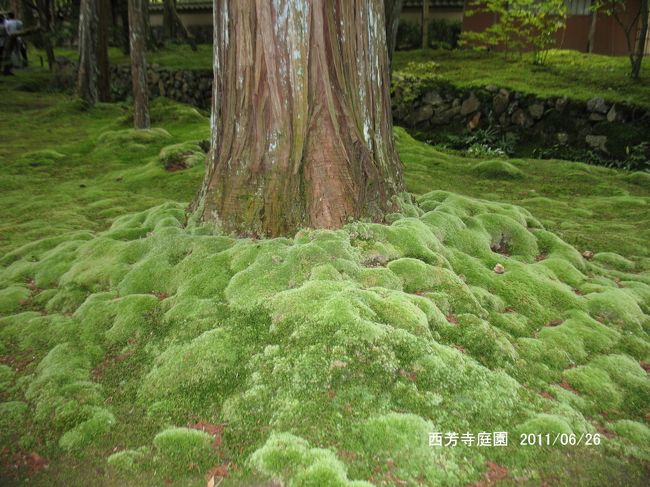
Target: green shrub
{"type": "Point", "coordinates": [519, 24]}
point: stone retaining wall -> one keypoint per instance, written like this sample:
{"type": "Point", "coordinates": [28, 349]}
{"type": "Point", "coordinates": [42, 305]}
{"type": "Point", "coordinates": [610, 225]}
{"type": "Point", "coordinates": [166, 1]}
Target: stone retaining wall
{"type": "Point", "coordinates": [608, 128]}
{"type": "Point", "coordinates": [193, 87]}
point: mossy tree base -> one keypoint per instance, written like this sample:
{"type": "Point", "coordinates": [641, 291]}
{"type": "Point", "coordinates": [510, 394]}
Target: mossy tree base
{"type": "Point", "coordinates": [301, 124]}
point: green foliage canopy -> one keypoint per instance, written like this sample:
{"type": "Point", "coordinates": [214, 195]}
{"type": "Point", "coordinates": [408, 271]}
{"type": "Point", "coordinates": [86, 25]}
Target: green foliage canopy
{"type": "Point", "coordinates": [520, 24]}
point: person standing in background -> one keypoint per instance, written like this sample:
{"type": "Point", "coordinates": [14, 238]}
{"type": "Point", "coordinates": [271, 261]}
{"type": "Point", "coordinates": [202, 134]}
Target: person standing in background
{"type": "Point", "coordinates": [5, 53]}
{"type": "Point", "coordinates": [3, 33]}
{"type": "Point", "coordinates": [18, 48]}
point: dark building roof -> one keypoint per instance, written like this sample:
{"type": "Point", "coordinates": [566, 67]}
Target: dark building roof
{"type": "Point", "coordinates": [185, 5]}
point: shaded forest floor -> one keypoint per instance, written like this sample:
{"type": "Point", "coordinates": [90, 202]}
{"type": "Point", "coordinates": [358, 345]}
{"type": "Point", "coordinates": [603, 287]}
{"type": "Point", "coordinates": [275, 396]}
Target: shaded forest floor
{"type": "Point", "coordinates": [319, 359]}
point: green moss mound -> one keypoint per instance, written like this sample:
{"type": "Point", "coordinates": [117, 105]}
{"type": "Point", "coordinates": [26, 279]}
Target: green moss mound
{"type": "Point", "coordinates": [179, 449]}
{"type": "Point", "coordinates": [327, 358]}
{"type": "Point", "coordinates": [497, 169]}
{"type": "Point", "coordinates": [117, 138]}
{"type": "Point", "coordinates": [181, 156]}
{"type": "Point", "coordinates": [42, 158]}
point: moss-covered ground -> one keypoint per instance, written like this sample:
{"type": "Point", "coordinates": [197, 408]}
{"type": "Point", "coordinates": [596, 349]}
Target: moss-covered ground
{"type": "Point", "coordinates": [505, 296]}
{"type": "Point", "coordinates": [567, 73]}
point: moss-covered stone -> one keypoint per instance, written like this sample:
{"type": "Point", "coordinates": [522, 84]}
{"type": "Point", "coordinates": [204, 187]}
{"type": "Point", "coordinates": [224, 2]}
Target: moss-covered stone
{"type": "Point", "coordinates": [497, 169]}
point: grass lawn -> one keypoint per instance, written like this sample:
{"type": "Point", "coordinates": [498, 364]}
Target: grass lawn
{"type": "Point", "coordinates": [567, 73]}
{"type": "Point", "coordinates": [135, 350]}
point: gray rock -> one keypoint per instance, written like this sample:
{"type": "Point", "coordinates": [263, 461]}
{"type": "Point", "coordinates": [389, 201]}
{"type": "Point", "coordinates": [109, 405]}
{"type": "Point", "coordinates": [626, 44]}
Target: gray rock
{"type": "Point", "coordinates": [521, 119]}
{"type": "Point", "coordinates": [421, 114]}
{"type": "Point", "coordinates": [598, 142]}
{"type": "Point", "coordinates": [492, 88]}
{"type": "Point", "coordinates": [613, 115]}
{"type": "Point", "coordinates": [62, 60]}
{"type": "Point", "coordinates": [445, 116]}
{"type": "Point", "coordinates": [596, 117]}
{"type": "Point", "coordinates": [470, 105]}
{"type": "Point", "coordinates": [561, 104]}
{"type": "Point", "coordinates": [562, 138]}
{"type": "Point", "coordinates": [432, 98]}
{"type": "Point", "coordinates": [536, 110]}
{"type": "Point", "coordinates": [500, 102]}
{"type": "Point", "coordinates": [597, 105]}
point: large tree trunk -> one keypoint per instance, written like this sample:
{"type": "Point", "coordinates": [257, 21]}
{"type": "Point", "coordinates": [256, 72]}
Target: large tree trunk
{"type": "Point", "coordinates": [88, 72]}
{"type": "Point", "coordinates": [301, 120]}
{"type": "Point", "coordinates": [139, 64]}
{"type": "Point", "coordinates": [639, 48]}
{"type": "Point", "coordinates": [393, 9]}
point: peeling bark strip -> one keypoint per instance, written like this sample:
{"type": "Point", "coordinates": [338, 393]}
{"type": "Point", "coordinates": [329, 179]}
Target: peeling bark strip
{"type": "Point", "coordinates": [301, 121]}
{"type": "Point", "coordinates": [139, 64]}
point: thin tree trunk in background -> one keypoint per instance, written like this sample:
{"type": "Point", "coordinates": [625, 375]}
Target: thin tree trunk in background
{"type": "Point", "coordinates": [43, 9]}
{"type": "Point", "coordinates": [16, 6]}
{"type": "Point", "coordinates": [172, 24]}
{"type": "Point", "coordinates": [104, 74]}
{"type": "Point", "coordinates": [148, 32]}
{"type": "Point", "coordinates": [301, 120]}
{"type": "Point", "coordinates": [87, 74]}
{"type": "Point", "coordinates": [169, 26]}
{"type": "Point", "coordinates": [393, 9]}
{"type": "Point", "coordinates": [139, 64]}
{"type": "Point", "coordinates": [425, 24]}
{"type": "Point", "coordinates": [639, 49]}
{"type": "Point", "coordinates": [49, 50]}
{"type": "Point", "coordinates": [115, 12]}
{"type": "Point", "coordinates": [124, 16]}
{"type": "Point", "coordinates": [592, 32]}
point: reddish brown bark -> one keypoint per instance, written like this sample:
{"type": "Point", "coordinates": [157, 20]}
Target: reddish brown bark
{"type": "Point", "coordinates": [138, 43]}
{"type": "Point", "coordinates": [301, 127]}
